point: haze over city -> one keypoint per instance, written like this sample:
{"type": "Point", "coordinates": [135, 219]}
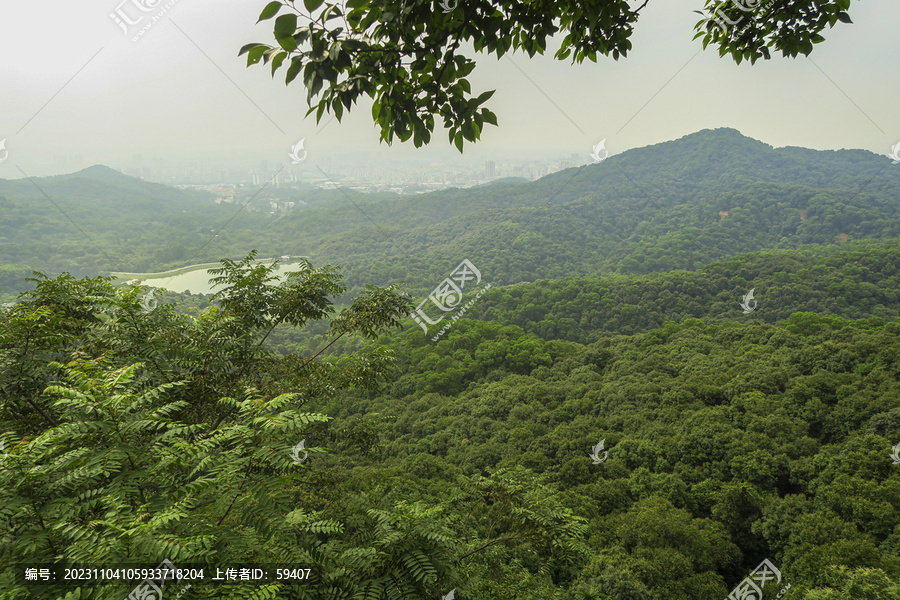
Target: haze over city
{"type": "Point", "coordinates": [178, 105]}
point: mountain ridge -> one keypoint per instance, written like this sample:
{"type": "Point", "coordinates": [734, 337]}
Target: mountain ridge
{"type": "Point", "coordinates": [678, 204]}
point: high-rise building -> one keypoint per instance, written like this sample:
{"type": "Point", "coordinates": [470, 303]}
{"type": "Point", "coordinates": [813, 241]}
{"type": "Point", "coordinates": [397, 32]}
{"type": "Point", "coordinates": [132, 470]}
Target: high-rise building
{"type": "Point", "coordinates": [490, 169]}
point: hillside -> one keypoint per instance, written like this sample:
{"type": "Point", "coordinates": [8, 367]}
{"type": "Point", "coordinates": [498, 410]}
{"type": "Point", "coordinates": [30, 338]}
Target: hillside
{"type": "Point", "coordinates": [724, 445]}
{"type": "Point", "coordinates": [854, 281]}
{"type": "Point", "coordinates": [101, 188]}
{"type": "Point", "coordinates": [664, 465]}
{"type": "Point", "coordinates": [678, 205]}
{"type": "Point", "coordinates": [683, 204]}
{"type": "Point", "coordinates": [87, 221]}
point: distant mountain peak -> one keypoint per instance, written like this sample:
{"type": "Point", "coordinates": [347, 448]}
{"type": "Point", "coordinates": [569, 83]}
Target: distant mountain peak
{"type": "Point", "coordinates": [720, 134]}
{"type": "Point", "coordinates": [719, 131]}
{"type": "Point", "coordinates": [101, 172]}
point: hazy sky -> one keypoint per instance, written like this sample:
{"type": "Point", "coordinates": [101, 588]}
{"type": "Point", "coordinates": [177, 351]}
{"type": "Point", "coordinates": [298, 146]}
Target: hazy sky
{"type": "Point", "coordinates": [76, 91]}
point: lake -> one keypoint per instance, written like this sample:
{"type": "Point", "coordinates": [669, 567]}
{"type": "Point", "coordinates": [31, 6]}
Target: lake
{"type": "Point", "coordinates": [194, 279]}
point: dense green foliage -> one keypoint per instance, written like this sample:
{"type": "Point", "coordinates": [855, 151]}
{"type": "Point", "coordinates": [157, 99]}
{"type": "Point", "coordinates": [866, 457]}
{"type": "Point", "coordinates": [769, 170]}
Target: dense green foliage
{"type": "Point", "coordinates": [727, 443]}
{"type": "Point", "coordinates": [134, 437]}
{"type": "Point", "coordinates": [82, 220]}
{"type": "Point", "coordinates": [144, 436]}
{"type": "Point", "coordinates": [855, 281]}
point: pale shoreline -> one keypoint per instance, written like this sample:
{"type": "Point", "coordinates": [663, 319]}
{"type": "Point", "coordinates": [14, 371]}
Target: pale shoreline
{"type": "Point", "coordinates": [179, 270]}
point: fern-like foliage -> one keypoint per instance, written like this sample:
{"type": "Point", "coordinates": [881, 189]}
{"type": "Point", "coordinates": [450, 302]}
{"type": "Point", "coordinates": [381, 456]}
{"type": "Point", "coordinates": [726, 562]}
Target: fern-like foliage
{"type": "Point", "coordinates": [132, 437]}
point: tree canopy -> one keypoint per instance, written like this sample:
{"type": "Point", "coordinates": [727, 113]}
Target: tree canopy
{"type": "Point", "coordinates": [137, 434]}
{"type": "Point", "coordinates": [408, 56]}
{"type": "Point", "coordinates": [132, 436]}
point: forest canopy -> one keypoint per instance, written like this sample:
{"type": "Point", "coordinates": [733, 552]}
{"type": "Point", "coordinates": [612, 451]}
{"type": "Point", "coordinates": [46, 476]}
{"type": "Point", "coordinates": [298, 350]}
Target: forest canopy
{"type": "Point", "coordinates": [470, 464]}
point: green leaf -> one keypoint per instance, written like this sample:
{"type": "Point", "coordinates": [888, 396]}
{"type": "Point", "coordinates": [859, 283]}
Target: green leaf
{"type": "Point", "coordinates": [485, 97]}
{"type": "Point", "coordinates": [312, 5]}
{"type": "Point", "coordinates": [289, 43]}
{"type": "Point", "coordinates": [285, 26]}
{"type": "Point", "coordinates": [248, 47]}
{"type": "Point", "coordinates": [332, 12]}
{"type": "Point", "coordinates": [269, 11]}
{"type": "Point", "coordinates": [276, 62]}
{"type": "Point", "coordinates": [468, 132]}
{"type": "Point", "coordinates": [294, 69]}
{"type": "Point", "coordinates": [256, 54]}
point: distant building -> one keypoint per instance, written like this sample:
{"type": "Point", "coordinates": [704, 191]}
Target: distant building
{"type": "Point", "coordinates": [223, 195]}
{"type": "Point", "coordinates": [536, 172]}
{"type": "Point", "coordinates": [490, 169]}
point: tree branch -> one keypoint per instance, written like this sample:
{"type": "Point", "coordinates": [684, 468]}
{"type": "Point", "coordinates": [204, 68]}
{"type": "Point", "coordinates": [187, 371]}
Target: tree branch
{"type": "Point", "coordinates": [491, 543]}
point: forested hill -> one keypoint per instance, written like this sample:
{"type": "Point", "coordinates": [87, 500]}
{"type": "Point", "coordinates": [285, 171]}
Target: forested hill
{"type": "Point", "coordinates": [101, 188]}
{"type": "Point", "coordinates": [682, 204]}
{"type": "Point", "coordinates": [87, 221]}
{"type": "Point", "coordinates": [722, 160]}
{"type": "Point", "coordinates": [699, 165]}
{"type": "Point", "coordinates": [678, 205]}
{"type": "Point", "coordinates": [856, 281]}
{"type": "Point", "coordinates": [476, 463]}
{"type": "Point", "coordinates": [724, 445]}
{"type": "Point", "coordinates": [96, 202]}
